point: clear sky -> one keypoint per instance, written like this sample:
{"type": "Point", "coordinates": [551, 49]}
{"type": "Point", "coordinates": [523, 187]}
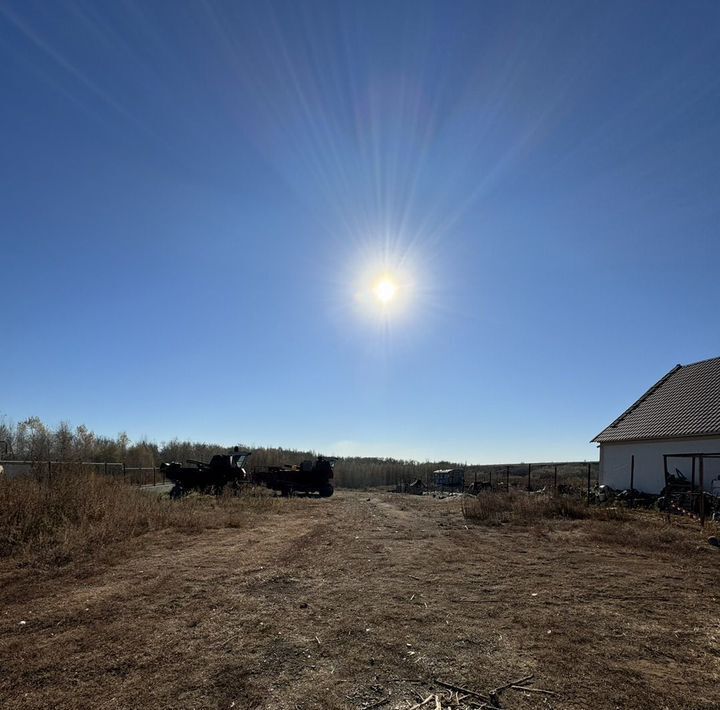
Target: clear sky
{"type": "Point", "coordinates": [473, 231]}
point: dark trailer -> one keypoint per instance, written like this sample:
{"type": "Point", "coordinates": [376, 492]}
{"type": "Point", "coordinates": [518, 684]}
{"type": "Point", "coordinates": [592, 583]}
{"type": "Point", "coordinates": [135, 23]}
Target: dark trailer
{"type": "Point", "coordinates": [308, 477]}
{"type": "Point", "coordinates": [212, 477]}
{"type": "Point", "coordinates": [227, 471]}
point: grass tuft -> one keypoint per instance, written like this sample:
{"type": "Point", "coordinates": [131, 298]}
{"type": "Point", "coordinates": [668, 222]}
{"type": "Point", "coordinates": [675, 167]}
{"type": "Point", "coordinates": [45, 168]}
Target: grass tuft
{"type": "Point", "coordinates": [639, 531]}
{"type": "Point", "coordinates": [76, 514]}
{"type": "Point", "coordinates": [521, 508]}
{"type": "Point", "coordinates": [652, 534]}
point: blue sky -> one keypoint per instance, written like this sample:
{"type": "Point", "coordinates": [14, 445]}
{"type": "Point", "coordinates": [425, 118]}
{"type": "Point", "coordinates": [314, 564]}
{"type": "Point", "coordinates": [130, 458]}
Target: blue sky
{"type": "Point", "coordinates": [198, 199]}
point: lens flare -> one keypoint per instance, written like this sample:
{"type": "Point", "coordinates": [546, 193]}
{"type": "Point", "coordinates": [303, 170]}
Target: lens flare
{"type": "Point", "coordinates": [385, 290]}
{"type": "Point", "coordinates": [384, 284]}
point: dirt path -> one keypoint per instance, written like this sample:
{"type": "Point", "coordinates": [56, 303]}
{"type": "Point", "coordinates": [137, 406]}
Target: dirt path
{"type": "Point", "coordinates": [340, 603]}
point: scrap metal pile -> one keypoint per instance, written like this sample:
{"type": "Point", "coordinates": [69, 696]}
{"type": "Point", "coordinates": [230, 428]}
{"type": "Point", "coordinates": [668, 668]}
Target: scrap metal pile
{"type": "Point", "coordinates": [677, 497]}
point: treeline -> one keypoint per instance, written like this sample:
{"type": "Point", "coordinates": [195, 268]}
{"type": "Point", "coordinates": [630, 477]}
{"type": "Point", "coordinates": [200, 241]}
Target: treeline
{"type": "Point", "coordinates": [32, 440]}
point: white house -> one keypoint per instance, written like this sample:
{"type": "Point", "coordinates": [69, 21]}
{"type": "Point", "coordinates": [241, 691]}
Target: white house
{"type": "Point", "coordinates": [674, 428]}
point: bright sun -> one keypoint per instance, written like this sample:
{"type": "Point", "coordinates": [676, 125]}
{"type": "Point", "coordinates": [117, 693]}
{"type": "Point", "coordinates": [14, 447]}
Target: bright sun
{"type": "Point", "coordinates": [385, 290]}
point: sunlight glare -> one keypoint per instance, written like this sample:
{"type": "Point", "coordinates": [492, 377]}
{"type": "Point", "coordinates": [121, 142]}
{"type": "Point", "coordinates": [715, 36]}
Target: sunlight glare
{"type": "Point", "coordinates": [382, 278]}
{"type": "Point", "coordinates": [385, 290]}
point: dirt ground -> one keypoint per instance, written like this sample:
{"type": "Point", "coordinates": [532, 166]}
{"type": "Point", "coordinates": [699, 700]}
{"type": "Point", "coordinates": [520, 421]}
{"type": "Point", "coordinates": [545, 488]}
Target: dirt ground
{"type": "Point", "coordinates": [365, 600]}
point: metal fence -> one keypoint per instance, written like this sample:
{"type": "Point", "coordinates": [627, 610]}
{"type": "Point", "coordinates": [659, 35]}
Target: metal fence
{"type": "Point", "coordinates": [577, 478]}
{"type": "Point", "coordinates": [46, 470]}
{"type": "Point", "coordinates": [580, 475]}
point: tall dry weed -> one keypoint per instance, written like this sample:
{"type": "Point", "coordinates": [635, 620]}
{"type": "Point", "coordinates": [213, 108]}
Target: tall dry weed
{"type": "Point", "coordinates": [606, 526]}
{"type": "Point", "coordinates": [522, 508]}
{"type": "Point", "coordinates": [653, 534]}
{"type": "Point", "coordinates": [76, 514]}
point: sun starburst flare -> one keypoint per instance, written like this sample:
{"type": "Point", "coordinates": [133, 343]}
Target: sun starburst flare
{"type": "Point", "coordinates": [385, 290]}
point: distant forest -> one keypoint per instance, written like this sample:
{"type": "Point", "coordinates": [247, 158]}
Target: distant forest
{"type": "Point", "coordinates": [32, 440]}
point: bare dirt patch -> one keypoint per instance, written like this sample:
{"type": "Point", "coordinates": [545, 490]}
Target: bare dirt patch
{"type": "Point", "coordinates": [364, 598]}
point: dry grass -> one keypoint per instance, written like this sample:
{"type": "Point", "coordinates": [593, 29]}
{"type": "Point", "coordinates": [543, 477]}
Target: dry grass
{"type": "Point", "coordinates": [76, 515]}
{"type": "Point", "coordinates": [636, 530]}
{"type": "Point", "coordinates": [360, 599]}
{"type": "Point", "coordinates": [521, 508]}
{"type": "Point", "coordinates": [649, 532]}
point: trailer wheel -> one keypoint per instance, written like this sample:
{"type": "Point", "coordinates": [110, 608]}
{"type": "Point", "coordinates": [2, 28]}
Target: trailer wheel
{"type": "Point", "coordinates": [177, 492]}
{"type": "Point", "coordinates": [326, 491]}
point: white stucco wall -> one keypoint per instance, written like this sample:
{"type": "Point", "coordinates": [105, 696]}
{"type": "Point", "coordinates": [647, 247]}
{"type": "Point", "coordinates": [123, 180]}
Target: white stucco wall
{"type": "Point", "coordinates": [649, 474]}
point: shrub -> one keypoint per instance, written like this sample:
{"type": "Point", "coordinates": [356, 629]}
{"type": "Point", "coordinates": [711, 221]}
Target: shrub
{"type": "Point", "coordinates": [77, 514]}
{"type": "Point", "coordinates": [521, 508]}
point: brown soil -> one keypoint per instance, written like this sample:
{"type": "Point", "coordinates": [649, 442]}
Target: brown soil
{"type": "Point", "coordinates": [343, 603]}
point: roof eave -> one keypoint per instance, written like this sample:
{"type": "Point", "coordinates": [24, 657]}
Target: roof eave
{"type": "Point", "coordinates": [665, 437]}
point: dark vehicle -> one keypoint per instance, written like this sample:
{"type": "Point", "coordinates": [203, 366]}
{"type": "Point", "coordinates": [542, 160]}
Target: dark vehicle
{"type": "Point", "coordinates": [223, 470]}
{"type": "Point", "coordinates": [308, 477]}
{"type": "Point", "coordinates": [227, 470]}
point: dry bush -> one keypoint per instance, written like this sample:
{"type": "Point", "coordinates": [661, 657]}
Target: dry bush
{"type": "Point", "coordinates": [651, 533]}
{"type": "Point", "coordinates": [521, 508]}
{"type": "Point", "coordinates": [76, 514]}
{"type": "Point", "coordinates": [607, 526]}
{"type": "Point", "coordinates": [71, 514]}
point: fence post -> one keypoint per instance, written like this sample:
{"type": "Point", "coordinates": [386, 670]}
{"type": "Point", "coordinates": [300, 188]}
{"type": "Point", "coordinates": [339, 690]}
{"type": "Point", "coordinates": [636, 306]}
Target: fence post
{"type": "Point", "coordinates": [529, 469]}
{"type": "Point", "coordinates": [49, 471]}
{"type": "Point", "coordinates": [153, 474]}
{"type": "Point", "coordinates": [692, 484]}
{"type": "Point", "coordinates": [588, 485]}
{"type": "Point", "coordinates": [702, 490]}
{"type": "Point", "coordinates": [632, 481]}
{"type": "Point", "coordinates": [124, 473]}
{"type": "Point", "coordinates": [490, 479]}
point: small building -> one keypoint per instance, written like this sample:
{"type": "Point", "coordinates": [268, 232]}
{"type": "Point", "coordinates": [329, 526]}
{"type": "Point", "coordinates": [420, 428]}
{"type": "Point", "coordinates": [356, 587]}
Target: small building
{"type": "Point", "coordinates": [673, 430]}
{"type": "Point", "coordinates": [449, 478]}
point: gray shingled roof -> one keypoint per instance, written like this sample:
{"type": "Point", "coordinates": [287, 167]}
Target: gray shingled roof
{"type": "Point", "coordinates": [686, 402]}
